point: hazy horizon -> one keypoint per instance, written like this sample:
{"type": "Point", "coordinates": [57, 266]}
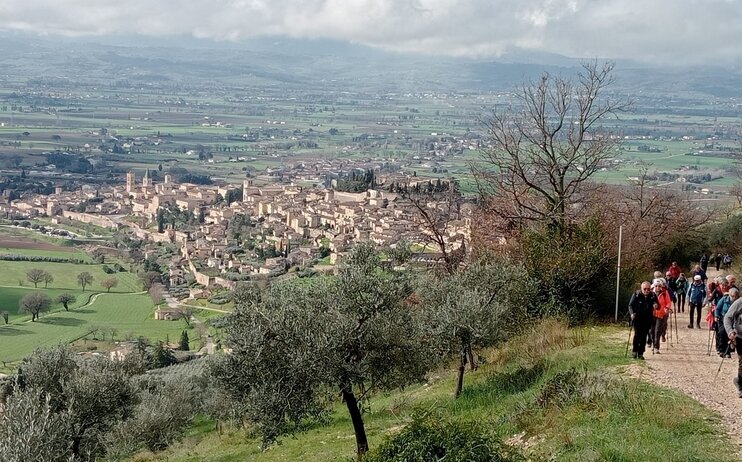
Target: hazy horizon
{"type": "Point", "coordinates": [662, 32]}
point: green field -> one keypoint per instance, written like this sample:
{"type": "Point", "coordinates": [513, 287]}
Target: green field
{"type": "Point", "coordinates": [13, 273]}
{"type": "Point", "coordinates": [62, 253]}
{"type": "Point", "coordinates": [132, 315]}
{"type": "Point", "coordinates": [11, 296]}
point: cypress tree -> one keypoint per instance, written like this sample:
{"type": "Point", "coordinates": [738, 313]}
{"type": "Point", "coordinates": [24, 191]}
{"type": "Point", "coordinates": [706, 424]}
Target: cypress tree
{"type": "Point", "coordinates": [183, 343]}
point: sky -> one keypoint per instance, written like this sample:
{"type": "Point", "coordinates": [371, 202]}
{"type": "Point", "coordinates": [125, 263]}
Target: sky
{"type": "Point", "coordinates": [685, 32]}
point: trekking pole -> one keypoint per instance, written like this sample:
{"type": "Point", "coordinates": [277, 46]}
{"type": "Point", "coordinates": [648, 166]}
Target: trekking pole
{"type": "Point", "coordinates": [668, 330]}
{"type": "Point", "coordinates": [722, 362]}
{"type": "Point", "coordinates": [677, 337]}
{"type": "Point", "coordinates": [631, 327]}
{"type": "Point", "coordinates": [708, 346]}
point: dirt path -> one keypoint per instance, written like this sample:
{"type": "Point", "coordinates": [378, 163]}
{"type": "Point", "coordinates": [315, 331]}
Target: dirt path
{"type": "Point", "coordinates": [685, 366]}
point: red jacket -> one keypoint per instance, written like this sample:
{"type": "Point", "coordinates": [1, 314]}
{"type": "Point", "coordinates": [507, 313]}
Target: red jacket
{"type": "Point", "coordinates": [674, 271]}
{"type": "Point", "coordinates": [663, 307]}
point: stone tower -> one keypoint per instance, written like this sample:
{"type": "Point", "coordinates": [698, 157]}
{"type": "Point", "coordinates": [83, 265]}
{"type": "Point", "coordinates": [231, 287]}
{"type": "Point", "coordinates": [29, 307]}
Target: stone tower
{"type": "Point", "coordinates": [146, 181]}
{"type": "Point", "coordinates": [130, 180]}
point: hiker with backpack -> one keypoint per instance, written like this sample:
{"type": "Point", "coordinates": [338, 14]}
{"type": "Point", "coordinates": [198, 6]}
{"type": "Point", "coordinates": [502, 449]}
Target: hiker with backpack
{"type": "Point", "coordinates": [696, 295]}
{"type": "Point", "coordinates": [641, 307]}
{"type": "Point", "coordinates": [722, 308]}
{"type": "Point", "coordinates": [661, 313]}
{"type": "Point", "coordinates": [698, 271]}
{"type": "Point", "coordinates": [682, 287]}
{"type": "Point", "coordinates": [733, 327]}
{"type": "Point", "coordinates": [705, 262]}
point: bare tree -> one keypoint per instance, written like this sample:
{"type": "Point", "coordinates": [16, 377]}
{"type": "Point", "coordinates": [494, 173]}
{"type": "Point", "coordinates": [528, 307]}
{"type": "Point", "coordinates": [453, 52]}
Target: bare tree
{"type": "Point", "coordinates": [156, 293]}
{"type": "Point", "coordinates": [35, 275]}
{"type": "Point", "coordinates": [109, 283]}
{"type": "Point", "coordinates": [34, 303]}
{"type": "Point", "coordinates": [84, 279]}
{"type": "Point", "coordinates": [542, 153]}
{"type": "Point", "coordinates": [48, 279]}
{"type": "Point", "coordinates": [437, 214]}
{"type": "Point", "coordinates": [650, 216]}
{"type": "Point", "coordinates": [185, 313]}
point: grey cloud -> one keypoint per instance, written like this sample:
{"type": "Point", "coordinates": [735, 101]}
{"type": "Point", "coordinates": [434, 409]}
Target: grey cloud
{"type": "Point", "coordinates": [666, 31]}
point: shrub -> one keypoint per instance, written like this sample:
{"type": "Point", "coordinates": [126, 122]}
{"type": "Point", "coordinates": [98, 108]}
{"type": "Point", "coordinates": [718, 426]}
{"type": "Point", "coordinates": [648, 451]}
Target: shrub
{"type": "Point", "coordinates": [569, 265]}
{"type": "Point", "coordinates": [158, 420]}
{"type": "Point", "coordinates": [429, 438]}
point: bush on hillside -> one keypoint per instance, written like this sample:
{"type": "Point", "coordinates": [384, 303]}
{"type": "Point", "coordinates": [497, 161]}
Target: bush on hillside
{"type": "Point", "coordinates": [431, 438]}
{"type": "Point", "coordinates": [569, 266]}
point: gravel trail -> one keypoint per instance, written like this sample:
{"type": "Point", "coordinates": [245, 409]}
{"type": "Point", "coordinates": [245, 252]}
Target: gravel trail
{"type": "Point", "coordinates": [686, 366]}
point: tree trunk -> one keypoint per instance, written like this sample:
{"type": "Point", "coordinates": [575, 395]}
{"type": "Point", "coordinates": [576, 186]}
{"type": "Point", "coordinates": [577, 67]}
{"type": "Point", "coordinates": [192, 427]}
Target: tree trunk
{"type": "Point", "coordinates": [472, 364]}
{"type": "Point", "coordinates": [462, 369]}
{"type": "Point", "coordinates": [357, 419]}
{"type": "Point", "coordinates": [65, 306]}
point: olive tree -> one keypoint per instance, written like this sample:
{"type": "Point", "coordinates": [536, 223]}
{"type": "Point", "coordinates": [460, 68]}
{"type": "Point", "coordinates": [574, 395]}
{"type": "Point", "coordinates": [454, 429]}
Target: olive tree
{"type": "Point", "coordinates": [294, 343]}
{"type": "Point", "coordinates": [31, 431]}
{"type": "Point", "coordinates": [89, 397]}
{"type": "Point", "coordinates": [474, 308]}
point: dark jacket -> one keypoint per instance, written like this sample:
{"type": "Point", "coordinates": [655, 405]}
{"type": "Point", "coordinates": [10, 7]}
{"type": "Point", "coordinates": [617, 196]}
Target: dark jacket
{"type": "Point", "coordinates": [642, 306]}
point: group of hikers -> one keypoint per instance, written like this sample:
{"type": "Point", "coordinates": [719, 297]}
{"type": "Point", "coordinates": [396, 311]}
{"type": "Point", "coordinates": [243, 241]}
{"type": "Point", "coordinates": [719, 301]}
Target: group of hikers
{"type": "Point", "coordinates": [651, 306]}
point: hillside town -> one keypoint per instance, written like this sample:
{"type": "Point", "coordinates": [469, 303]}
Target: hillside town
{"type": "Point", "coordinates": [225, 234]}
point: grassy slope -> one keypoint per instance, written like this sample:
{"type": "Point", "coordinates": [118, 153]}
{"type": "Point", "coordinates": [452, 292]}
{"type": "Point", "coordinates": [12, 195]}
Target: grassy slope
{"type": "Point", "coordinates": [65, 275]}
{"type": "Point", "coordinates": [130, 314]}
{"type": "Point", "coordinates": [632, 421]}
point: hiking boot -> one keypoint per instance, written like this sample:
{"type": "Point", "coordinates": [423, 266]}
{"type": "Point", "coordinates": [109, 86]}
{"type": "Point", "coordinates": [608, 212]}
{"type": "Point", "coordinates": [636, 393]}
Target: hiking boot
{"type": "Point", "coordinates": [664, 339]}
{"type": "Point", "coordinates": [698, 326]}
{"type": "Point", "coordinates": [690, 326]}
{"type": "Point", "coordinates": [641, 357]}
{"type": "Point", "coordinates": [634, 355]}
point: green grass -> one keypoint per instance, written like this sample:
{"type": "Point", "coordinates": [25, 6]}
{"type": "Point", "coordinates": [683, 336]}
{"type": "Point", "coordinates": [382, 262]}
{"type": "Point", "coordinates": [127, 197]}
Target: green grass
{"type": "Point", "coordinates": [131, 315]}
{"type": "Point", "coordinates": [11, 296]}
{"type": "Point", "coordinates": [65, 276]}
{"type": "Point", "coordinates": [625, 421]}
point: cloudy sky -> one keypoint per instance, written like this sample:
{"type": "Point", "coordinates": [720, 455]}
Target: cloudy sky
{"type": "Point", "coordinates": [660, 31]}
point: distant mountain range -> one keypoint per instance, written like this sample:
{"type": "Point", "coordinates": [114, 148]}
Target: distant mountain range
{"type": "Point", "coordinates": [326, 64]}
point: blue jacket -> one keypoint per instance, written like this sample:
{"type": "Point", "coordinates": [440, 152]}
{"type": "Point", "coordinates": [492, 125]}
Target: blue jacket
{"type": "Point", "coordinates": [697, 293]}
{"type": "Point", "coordinates": [723, 306]}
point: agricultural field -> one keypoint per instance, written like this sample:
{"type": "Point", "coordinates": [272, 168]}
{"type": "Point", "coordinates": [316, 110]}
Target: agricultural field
{"type": "Point", "coordinates": [13, 274]}
{"type": "Point", "coordinates": [131, 315]}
